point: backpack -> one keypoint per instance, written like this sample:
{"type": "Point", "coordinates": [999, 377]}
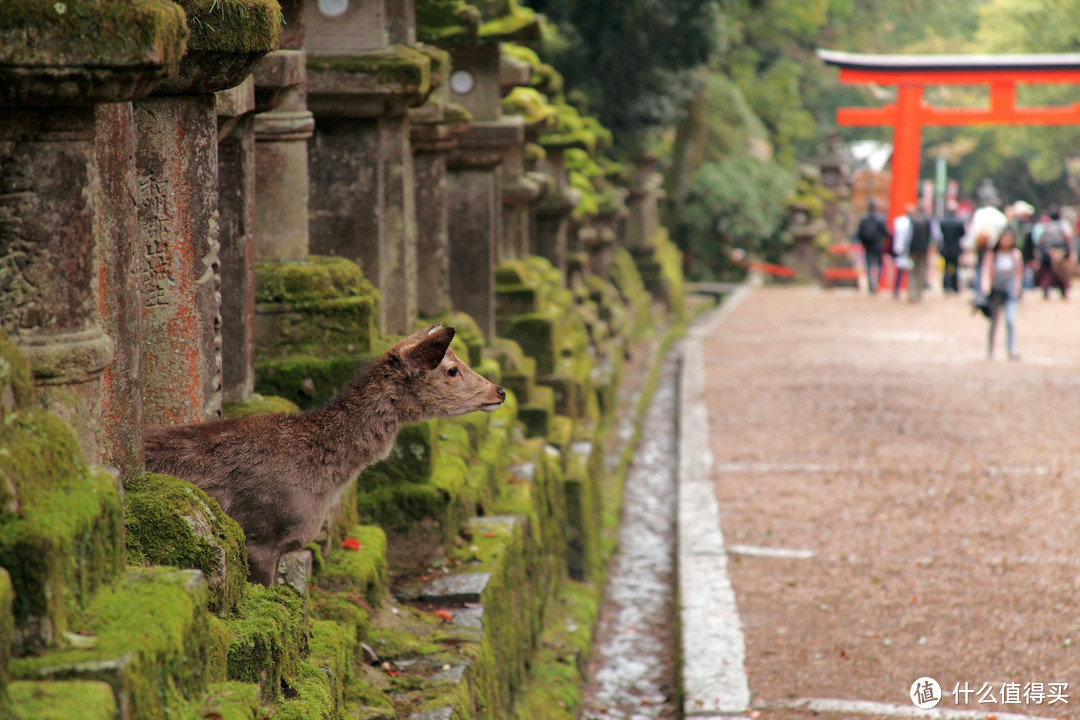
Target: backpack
{"type": "Point", "coordinates": [920, 235]}
{"type": "Point", "coordinates": [1053, 236]}
{"type": "Point", "coordinates": [870, 232]}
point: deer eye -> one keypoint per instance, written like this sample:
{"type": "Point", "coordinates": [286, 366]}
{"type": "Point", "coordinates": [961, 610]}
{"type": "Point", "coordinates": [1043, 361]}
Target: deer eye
{"type": "Point", "coordinates": [452, 372]}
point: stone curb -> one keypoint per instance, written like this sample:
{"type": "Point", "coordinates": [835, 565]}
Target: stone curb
{"type": "Point", "coordinates": [713, 650]}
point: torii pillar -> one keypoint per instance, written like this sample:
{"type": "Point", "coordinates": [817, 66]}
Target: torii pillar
{"type": "Point", "coordinates": [911, 73]}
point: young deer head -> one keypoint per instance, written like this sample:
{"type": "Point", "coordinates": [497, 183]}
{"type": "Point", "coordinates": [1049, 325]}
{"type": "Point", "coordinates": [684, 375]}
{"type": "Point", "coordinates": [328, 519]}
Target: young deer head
{"type": "Point", "coordinates": [437, 382]}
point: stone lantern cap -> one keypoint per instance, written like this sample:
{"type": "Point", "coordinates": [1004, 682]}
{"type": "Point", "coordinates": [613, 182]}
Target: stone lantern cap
{"type": "Point", "coordinates": [228, 37]}
{"type": "Point", "coordinates": [456, 22]}
{"type": "Point", "coordinates": [542, 76]}
{"type": "Point", "coordinates": [80, 52]}
{"type": "Point", "coordinates": [370, 83]}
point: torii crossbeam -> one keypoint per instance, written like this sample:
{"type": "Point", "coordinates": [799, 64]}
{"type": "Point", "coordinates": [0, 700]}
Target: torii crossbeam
{"type": "Point", "coordinates": [911, 73]}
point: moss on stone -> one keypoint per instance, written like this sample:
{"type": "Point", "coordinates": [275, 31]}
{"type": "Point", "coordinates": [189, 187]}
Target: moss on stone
{"type": "Point", "coordinates": [350, 610]}
{"type": "Point", "coordinates": [68, 700]}
{"type": "Point", "coordinates": [91, 33]}
{"type": "Point", "coordinates": [305, 380]}
{"type": "Point", "coordinates": [315, 278]}
{"type": "Point", "coordinates": [410, 461]}
{"type": "Point", "coordinates": [396, 507]}
{"type": "Point", "coordinates": [60, 529]}
{"type": "Point", "coordinates": [512, 22]}
{"type": "Point", "coordinates": [670, 259]}
{"type": "Point", "coordinates": [16, 381]}
{"type": "Point", "coordinates": [556, 677]}
{"type": "Point", "coordinates": [398, 68]}
{"type": "Point", "coordinates": [257, 405]}
{"type": "Point", "coordinates": [231, 701]}
{"type": "Point", "coordinates": [169, 521]}
{"type": "Point", "coordinates": [530, 104]}
{"type": "Point", "coordinates": [148, 637]}
{"type": "Point", "coordinates": [237, 26]}
{"type": "Point", "coordinates": [319, 680]}
{"type": "Point", "coordinates": [360, 571]}
{"type": "Point", "coordinates": [268, 638]}
{"type": "Point", "coordinates": [442, 20]}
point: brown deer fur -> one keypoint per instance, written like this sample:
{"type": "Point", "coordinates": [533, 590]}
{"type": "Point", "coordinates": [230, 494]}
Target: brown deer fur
{"type": "Point", "coordinates": [277, 475]}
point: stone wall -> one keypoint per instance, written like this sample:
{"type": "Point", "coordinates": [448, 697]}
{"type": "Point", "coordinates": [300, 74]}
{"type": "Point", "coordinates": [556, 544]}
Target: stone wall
{"type": "Point", "coordinates": [203, 211]}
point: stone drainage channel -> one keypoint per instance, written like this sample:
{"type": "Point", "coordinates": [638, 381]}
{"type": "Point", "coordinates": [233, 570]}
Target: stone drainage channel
{"type": "Point", "coordinates": [632, 671]}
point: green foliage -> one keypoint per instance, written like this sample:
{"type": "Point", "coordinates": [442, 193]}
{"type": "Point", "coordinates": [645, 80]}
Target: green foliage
{"type": "Point", "coordinates": [734, 203]}
{"type": "Point", "coordinates": [628, 59]}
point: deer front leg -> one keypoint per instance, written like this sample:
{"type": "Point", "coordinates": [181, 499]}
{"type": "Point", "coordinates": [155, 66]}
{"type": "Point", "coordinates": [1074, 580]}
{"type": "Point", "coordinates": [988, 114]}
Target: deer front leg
{"type": "Point", "coordinates": [263, 564]}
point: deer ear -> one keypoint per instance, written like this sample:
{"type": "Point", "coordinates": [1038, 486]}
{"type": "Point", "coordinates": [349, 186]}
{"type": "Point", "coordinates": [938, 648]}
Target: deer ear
{"type": "Point", "coordinates": [429, 352]}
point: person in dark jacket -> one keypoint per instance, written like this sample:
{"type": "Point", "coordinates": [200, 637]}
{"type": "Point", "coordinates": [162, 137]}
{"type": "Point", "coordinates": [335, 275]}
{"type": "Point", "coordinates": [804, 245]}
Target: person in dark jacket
{"type": "Point", "coordinates": [871, 233]}
{"type": "Point", "coordinates": [952, 232]}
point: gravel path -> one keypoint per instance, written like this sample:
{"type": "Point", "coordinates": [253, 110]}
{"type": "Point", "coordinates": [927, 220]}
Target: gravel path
{"type": "Point", "coordinates": [896, 505]}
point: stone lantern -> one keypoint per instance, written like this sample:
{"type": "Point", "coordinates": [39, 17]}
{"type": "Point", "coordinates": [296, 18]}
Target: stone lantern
{"type": "Point", "coordinates": [53, 213]}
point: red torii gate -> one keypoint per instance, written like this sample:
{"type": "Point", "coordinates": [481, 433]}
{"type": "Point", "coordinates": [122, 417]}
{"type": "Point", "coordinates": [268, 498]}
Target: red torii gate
{"type": "Point", "coordinates": [911, 73]}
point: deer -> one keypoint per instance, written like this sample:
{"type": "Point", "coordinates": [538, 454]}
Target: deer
{"type": "Point", "coordinates": [277, 475]}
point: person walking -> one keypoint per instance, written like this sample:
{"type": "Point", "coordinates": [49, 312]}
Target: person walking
{"type": "Point", "coordinates": [952, 233]}
{"type": "Point", "coordinates": [919, 252]}
{"type": "Point", "coordinates": [901, 239]}
{"type": "Point", "coordinates": [1053, 238]}
{"type": "Point", "coordinates": [870, 233]}
{"type": "Point", "coordinates": [1002, 278]}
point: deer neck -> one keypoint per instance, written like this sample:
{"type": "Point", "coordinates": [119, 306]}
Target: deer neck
{"type": "Point", "coordinates": [355, 430]}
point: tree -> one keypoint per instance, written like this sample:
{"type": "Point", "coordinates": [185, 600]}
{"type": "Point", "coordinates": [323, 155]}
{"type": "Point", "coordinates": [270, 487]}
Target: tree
{"type": "Point", "coordinates": [630, 61]}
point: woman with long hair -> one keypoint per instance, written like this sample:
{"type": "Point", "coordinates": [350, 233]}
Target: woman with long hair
{"type": "Point", "coordinates": [1001, 281]}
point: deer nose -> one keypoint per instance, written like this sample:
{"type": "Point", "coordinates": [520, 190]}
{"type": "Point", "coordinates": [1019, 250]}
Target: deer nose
{"type": "Point", "coordinates": [501, 392]}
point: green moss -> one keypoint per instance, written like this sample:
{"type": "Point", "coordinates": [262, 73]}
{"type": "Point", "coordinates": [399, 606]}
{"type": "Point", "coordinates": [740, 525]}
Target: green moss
{"type": "Point", "coordinates": [267, 638]}
{"type": "Point", "coordinates": [350, 610]}
{"type": "Point", "coordinates": [86, 32]}
{"type": "Point", "coordinates": [441, 20]}
{"type": "Point", "coordinates": [396, 507]}
{"type": "Point", "coordinates": [398, 68]}
{"type": "Point", "coordinates": [410, 461]}
{"type": "Point", "coordinates": [238, 26]}
{"type": "Point", "coordinates": [361, 571]}
{"type": "Point", "coordinates": [305, 380]}
{"type": "Point", "coordinates": [16, 381]}
{"type": "Point", "coordinates": [315, 278]}
{"type": "Point", "coordinates": [70, 700]}
{"type": "Point", "coordinates": [7, 635]}
{"type": "Point", "coordinates": [515, 23]}
{"type": "Point", "coordinates": [319, 680]}
{"type": "Point", "coordinates": [671, 271]}
{"type": "Point", "coordinates": [171, 522]}
{"type": "Point", "coordinates": [555, 674]}
{"type": "Point", "coordinates": [61, 539]}
{"type": "Point", "coordinates": [257, 405]}
{"type": "Point", "coordinates": [231, 701]}
{"type": "Point", "coordinates": [151, 641]}
{"type": "Point", "coordinates": [530, 104]}
{"type": "Point", "coordinates": [320, 306]}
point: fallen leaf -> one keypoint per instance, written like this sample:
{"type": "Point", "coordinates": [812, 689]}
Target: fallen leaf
{"type": "Point", "coordinates": [446, 615]}
{"type": "Point", "coordinates": [489, 534]}
{"type": "Point", "coordinates": [351, 544]}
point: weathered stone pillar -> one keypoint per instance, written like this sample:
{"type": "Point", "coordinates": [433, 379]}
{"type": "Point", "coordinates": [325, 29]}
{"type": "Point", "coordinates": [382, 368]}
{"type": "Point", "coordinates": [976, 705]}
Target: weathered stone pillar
{"type": "Point", "coordinates": [49, 204]}
{"type": "Point", "coordinates": [360, 163]}
{"type": "Point", "coordinates": [476, 185]}
{"type": "Point", "coordinates": [434, 133]}
{"type": "Point", "coordinates": [177, 161]}
{"type": "Point", "coordinates": [551, 214]}
{"type": "Point", "coordinates": [518, 188]}
{"type": "Point", "coordinates": [236, 212]}
{"type": "Point", "coordinates": [282, 130]}
{"type": "Point", "coordinates": [119, 289]}
{"type": "Point", "coordinates": [645, 195]}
